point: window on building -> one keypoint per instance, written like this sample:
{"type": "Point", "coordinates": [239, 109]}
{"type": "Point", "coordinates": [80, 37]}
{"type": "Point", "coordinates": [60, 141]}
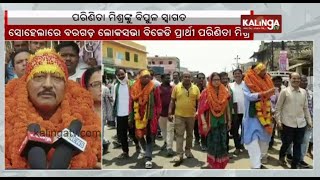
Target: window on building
{"type": "Point", "coordinates": [149, 62]}
{"type": "Point", "coordinates": [170, 62]}
{"type": "Point", "coordinates": [109, 52]}
{"type": "Point", "coordinates": [127, 56]}
{"type": "Point", "coordinates": [153, 62]}
{"type": "Point", "coordinates": [161, 62]}
{"type": "Point", "coordinates": [135, 58]}
{"type": "Point", "coordinates": [120, 56]}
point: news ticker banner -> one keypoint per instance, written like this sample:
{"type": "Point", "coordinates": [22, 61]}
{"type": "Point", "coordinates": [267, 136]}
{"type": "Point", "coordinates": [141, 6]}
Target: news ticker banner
{"type": "Point", "coordinates": [138, 25]}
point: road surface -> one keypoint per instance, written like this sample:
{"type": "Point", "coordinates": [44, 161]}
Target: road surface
{"type": "Point", "coordinates": [160, 161]}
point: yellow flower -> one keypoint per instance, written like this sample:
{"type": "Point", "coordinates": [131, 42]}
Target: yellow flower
{"type": "Point", "coordinates": [268, 121]}
{"type": "Point", "coordinates": [258, 105]}
{"type": "Point", "coordinates": [262, 120]}
{"type": "Point", "coordinates": [140, 123]}
{"type": "Point", "coordinates": [136, 105]}
{"type": "Point", "coordinates": [259, 113]}
{"type": "Point", "coordinates": [268, 103]}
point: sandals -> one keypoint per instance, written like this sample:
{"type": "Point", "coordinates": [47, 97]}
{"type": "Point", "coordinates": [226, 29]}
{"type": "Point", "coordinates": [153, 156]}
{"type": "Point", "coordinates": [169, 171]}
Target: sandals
{"type": "Point", "coordinates": [189, 154]}
{"type": "Point", "coordinates": [148, 165]}
{"type": "Point", "coordinates": [177, 161]}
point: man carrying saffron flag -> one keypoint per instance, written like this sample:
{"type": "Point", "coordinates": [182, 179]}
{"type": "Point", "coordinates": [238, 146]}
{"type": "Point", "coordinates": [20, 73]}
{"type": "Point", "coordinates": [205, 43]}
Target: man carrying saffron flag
{"type": "Point", "coordinates": [145, 114]}
{"type": "Point", "coordinates": [257, 120]}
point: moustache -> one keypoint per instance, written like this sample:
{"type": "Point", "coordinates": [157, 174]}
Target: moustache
{"type": "Point", "coordinates": [46, 92]}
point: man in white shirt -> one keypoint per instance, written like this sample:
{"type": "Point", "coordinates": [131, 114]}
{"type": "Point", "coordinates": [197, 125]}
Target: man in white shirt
{"type": "Point", "coordinates": [155, 81]}
{"type": "Point", "coordinates": [69, 51]}
{"type": "Point", "coordinates": [292, 116]}
{"type": "Point", "coordinates": [121, 97]}
{"type": "Point", "coordinates": [175, 78]}
{"type": "Point", "coordinates": [237, 114]}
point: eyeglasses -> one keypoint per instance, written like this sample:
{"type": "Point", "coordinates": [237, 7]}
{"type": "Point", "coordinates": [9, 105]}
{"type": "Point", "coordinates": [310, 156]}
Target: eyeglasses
{"type": "Point", "coordinates": [216, 80]}
{"type": "Point", "coordinates": [96, 84]}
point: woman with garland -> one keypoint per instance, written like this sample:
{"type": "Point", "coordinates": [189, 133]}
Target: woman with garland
{"type": "Point", "coordinates": [215, 121]}
{"type": "Point", "coordinates": [45, 96]}
{"type": "Point", "coordinates": [257, 120]}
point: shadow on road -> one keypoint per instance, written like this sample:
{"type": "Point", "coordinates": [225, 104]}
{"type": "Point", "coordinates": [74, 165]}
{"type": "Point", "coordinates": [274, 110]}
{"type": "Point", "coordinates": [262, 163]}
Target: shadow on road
{"type": "Point", "coordinates": [193, 163]}
{"type": "Point", "coordinates": [106, 162]}
{"type": "Point", "coordinates": [140, 165]}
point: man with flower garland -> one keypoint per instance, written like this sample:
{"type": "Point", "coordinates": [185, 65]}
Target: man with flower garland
{"type": "Point", "coordinates": [257, 120]}
{"type": "Point", "coordinates": [45, 96]}
{"type": "Point", "coordinates": [146, 103]}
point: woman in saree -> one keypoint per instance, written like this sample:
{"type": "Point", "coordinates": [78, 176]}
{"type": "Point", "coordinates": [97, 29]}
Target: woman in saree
{"type": "Point", "coordinates": [215, 121]}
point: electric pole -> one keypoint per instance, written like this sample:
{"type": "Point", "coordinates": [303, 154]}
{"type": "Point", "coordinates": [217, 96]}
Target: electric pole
{"type": "Point", "coordinates": [237, 60]}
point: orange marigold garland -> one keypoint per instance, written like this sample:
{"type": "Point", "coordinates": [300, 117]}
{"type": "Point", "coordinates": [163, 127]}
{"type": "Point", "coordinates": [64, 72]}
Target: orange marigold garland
{"type": "Point", "coordinates": [263, 107]}
{"type": "Point", "coordinates": [141, 94]}
{"type": "Point", "coordinates": [217, 103]}
{"type": "Point", "coordinates": [140, 97]}
{"type": "Point", "coordinates": [19, 113]}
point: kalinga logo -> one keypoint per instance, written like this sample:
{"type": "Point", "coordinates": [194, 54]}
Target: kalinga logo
{"type": "Point", "coordinates": [261, 23]}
